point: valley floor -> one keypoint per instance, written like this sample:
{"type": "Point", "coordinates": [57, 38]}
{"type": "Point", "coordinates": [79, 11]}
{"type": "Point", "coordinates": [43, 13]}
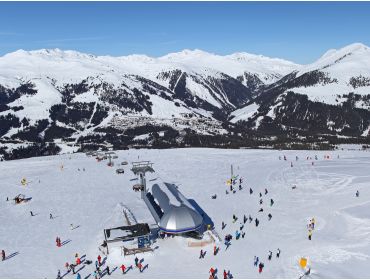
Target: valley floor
{"type": "Point", "coordinates": [93, 199]}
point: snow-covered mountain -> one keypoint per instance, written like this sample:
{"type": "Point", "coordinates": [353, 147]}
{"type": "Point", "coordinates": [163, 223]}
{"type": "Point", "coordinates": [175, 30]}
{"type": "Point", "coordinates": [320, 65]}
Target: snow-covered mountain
{"type": "Point", "coordinates": [331, 95]}
{"type": "Point", "coordinates": [67, 96]}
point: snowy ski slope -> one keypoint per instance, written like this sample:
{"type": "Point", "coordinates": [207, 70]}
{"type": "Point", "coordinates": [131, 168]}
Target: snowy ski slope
{"type": "Point", "coordinates": [93, 199]}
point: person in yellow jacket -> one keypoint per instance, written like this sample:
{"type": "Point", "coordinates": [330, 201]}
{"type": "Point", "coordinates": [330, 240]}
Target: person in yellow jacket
{"type": "Point", "coordinates": [309, 234]}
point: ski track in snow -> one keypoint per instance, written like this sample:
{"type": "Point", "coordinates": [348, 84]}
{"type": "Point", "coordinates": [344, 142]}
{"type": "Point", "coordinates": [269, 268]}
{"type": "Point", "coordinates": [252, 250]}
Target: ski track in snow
{"type": "Point", "coordinates": [95, 199]}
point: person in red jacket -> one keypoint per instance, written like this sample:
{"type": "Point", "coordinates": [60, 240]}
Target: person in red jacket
{"type": "Point", "coordinates": [260, 267]}
{"type": "Point", "coordinates": [123, 268]}
{"type": "Point", "coordinates": [225, 274]}
{"type": "Point", "coordinates": [99, 260]}
{"type": "Point", "coordinates": [78, 261]}
{"type": "Point", "coordinates": [212, 272]}
{"type": "Point", "coordinates": [140, 266]}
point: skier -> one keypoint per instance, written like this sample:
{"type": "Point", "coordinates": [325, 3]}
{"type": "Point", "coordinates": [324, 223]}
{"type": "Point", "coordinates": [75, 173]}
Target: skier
{"type": "Point", "coordinates": [78, 261]}
{"type": "Point", "coordinates": [284, 157]}
{"type": "Point", "coordinates": [225, 274]}
{"type": "Point", "coordinates": [215, 249]}
{"type": "Point", "coordinates": [270, 216]}
{"type": "Point", "coordinates": [261, 201]}
{"type": "Point", "coordinates": [291, 164]}
{"type": "Point", "coordinates": [2, 255]}
{"type": "Point", "coordinates": [309, 234]}
{"type": "Point", "coordinates": [78, 276]}
{"type": "Point", "coordinates": [212, 273]}
{"type": "Point", "coordinates": [244, 219]}
{"type": "Point", "coordinates": [95, 275]}
{"type": "Point", "coordinates": [250, 218]}
{"type": "Point", "coordinates": [243, 234]}
{"type": "Point", "coordinates": [136, 261]}
{"type": "Point", "coordinates": [107, 269]}
{"type": "Point", "coordinates": [99, 260]}
{"type": "Point", "coordinates": [223, 225]}
{"type": "Point", "coordinates": [123, 268]}
{"type": "Point", "coordinates": [266, 192]}
{"type": "Point", "coordinates": [51, 216]}
{"type": "Point", "coordinates": [271, 202]}
{"type": "Point", "coordinates": [72, 266]}
{"type": "Point", "coordinates": [278, 253]}
{"type": "Point", "coordinates": [241, 227]}
{"type": "Point", "coordinates": [240, 187]}
{"type": "Point", "coordinates": [270, 256]}
{"type": "Point", "coordinates": [357, 193]}
{"type": "Point", "coordinates": [261, 210]}
{"type": "Point", "coordinates": [313, 223]}
{"type": "Point", "coordinates": [260, 194]}
{"type": "Point", "coordinates": [201, 256]}
{"type": "Point", "coordinates": [256, 260]}
{"type": "Point", "coordinates": [31, 214]}
{"type": "Point", "coordinates": [260, 267]}
{"type": "Point", "coordinates": [250, 191]}
{"type": "Point", "coordinates": [257, 222]}
{"type": "Point", "coordinates": [58, 276]}
{"type": "Point", "coordinates": [96, 264]}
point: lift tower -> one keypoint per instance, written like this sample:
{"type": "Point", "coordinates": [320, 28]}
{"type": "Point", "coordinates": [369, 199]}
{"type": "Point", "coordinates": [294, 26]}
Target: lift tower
{"type": "Point", "coordinates": [139, 168]}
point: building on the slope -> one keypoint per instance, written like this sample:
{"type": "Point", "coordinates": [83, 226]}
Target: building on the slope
{"type": "Point", "coordinates": [172, 211]}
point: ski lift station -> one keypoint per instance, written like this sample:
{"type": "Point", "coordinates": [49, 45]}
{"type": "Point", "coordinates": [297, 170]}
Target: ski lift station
{"type": "Point", "coordinates": [171, 210]}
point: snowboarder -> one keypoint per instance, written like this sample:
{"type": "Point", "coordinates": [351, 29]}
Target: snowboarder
{"type": "Point", "coordinates": [123, 268]}
{"type": "Point", "coordinates": [260, 267]}
{"type": "Point", "coordinates": [270, 216]}
{"type": "Point", "coordinates": [266, 192]}
{"type": "Point", "coordinates": [58, 276]}
{"type": "Point", "coordinates": [250, 191]}
{"type": "Point", "coordinates": [278, 253]}
{"type": "Point", "coordinates": [99, 260]}
{"type": "Point", "coordinates": [357, 193]}
{"type": "Point", "coordinates": [271, 202]}
{"type": "Point", "coordinates": [270, 256]}
{"type": "Point", "coordinates": [31, 214]}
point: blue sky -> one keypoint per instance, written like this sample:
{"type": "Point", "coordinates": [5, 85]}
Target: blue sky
{"type": "Point", "coordinates": [298, 31]}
